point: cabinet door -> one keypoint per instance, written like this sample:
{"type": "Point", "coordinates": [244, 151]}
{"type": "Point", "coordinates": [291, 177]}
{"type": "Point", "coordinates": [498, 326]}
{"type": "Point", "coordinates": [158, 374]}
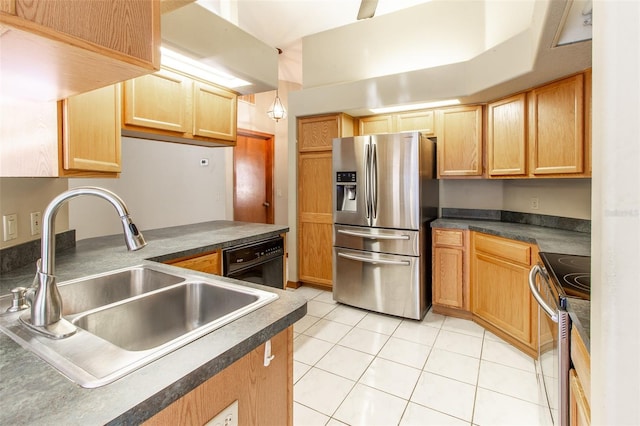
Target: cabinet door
{"type": "Point", "coordinates": [315, 226]}
{"type": "Point", "coordinates": [500, 289]}
{"type": "Point", "coordinates": [448, 277]}
{"type": "Point", "coordinates": [209, 263]}
{"type": "Point", "coordinates": [422, 121]}
{"type": "Point", "coordinates": [264, 394]}
{"type": "Point", "coordinates": [91, 131]}
{"type": "Point", "coordinates": [579, 410]}
{"type": "Point", "coordinates": [317, 133]}
{"type": "Point", "coordinates": [214, 112]}
{"type": "Point", "coordinates": [158, 101]}
{"type": "Point", "coordinates": [376, 124]}
{"type": "Point", "coordinates": [460, 142]}
{"type": "Point", "coordinates": [507, 137]}
{"type": "Point", "coordinates": [556, 129]}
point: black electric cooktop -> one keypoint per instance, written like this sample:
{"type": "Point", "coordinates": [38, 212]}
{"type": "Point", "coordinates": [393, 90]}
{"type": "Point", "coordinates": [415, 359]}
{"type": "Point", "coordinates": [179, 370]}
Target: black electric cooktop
{"type": "Point", "coordinates": [571, 272]}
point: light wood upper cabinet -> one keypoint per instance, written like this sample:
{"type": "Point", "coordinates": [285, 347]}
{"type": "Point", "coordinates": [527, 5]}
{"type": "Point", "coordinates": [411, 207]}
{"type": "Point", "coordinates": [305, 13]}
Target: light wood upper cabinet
{"type": "Point", "coordinates": [450, 269]}
{"type": "Point", "coordinates": [556, 131]}
{"type": "Point", "coordinates": [422, 121]}
{"type": "Point", "coordinates": [315, 202]}
{"type": "Point", "coordinates": [376, 124]}
{"type": "Point", "coordinates": [507, 136]}
{"type": "Point", "coordinates": [316, 133]}
{"type": "Point", "coordinates": [158, 101]}
{"type": "Point", "coordinates": [78, 137]}
{"type": "Point", "coordinates": [214, 112]}
{"type": "Point", "coordinates": [174, 107]}
{"type": "Point", "coordinates": [91, 132]}
{"type": "Point", "coordinates": [501, 300]}
{"type": "Point", "coordinates": [73, 50]}
{"type": "Point", "coordinates": [459, 149]}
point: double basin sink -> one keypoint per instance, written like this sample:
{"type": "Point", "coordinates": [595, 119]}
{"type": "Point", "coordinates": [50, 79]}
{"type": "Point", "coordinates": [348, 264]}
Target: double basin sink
{"type": "Point", "coordinates": [131, 317]}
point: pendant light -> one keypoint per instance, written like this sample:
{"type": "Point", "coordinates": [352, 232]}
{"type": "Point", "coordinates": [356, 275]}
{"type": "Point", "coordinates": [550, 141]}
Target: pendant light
{"type": "Point", "coordinates": [277, 111]}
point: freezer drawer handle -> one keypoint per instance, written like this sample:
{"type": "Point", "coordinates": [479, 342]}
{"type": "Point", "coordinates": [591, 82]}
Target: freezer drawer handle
{"type": "Point", "coordinates": [375, 261]}
{"type": "Point", "coordinates": [534, 291]}
{"type": "Point", "coordinates": [373, 237]}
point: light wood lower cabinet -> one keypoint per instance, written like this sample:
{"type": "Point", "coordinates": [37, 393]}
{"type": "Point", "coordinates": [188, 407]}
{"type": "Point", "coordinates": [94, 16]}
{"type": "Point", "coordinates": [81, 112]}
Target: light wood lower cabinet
{"type": "Point", "coordinates": [501, 300]}
{"type": "Point", "coordinates": [264, 394]}
{"type": "Point", "coordinates": [209, 263]}
{"type": "Point", "coordinates": [450, 271]}
{"type": "Point", "coordinates": [580, 382]}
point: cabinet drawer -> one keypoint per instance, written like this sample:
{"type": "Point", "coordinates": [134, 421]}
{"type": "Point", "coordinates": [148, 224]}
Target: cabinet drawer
{"type": "Point", "coordinates": [448, 237]}
{"type": "Point", "coordinates": [502, 247]}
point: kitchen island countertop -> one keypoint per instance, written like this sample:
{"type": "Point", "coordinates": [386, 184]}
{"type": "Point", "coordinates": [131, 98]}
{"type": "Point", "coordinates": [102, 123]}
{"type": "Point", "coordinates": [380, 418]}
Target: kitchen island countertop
{"type": "Point", "coordinates": [33, 392]}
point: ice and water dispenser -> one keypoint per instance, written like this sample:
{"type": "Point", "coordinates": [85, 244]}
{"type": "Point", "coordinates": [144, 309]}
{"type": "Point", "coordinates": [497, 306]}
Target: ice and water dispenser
{"type": "Point", "coordinates": [346, 191]}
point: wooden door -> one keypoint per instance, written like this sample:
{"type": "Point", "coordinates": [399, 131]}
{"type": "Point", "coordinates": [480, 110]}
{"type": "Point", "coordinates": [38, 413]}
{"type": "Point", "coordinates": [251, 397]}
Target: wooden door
{"type": "Point", "coordinates": [253, 177]}
{"type": "Point", "coordinates": [450, 268]}
{"type": "Point", "coordinates": [507, 137]}
{"type": "Point", "coordinates": [460, 141]}
{"type": "Point", "coordinates": [91, 131]}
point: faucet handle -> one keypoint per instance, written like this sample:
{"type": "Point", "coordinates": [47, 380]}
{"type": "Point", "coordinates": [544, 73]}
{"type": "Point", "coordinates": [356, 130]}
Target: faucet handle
{"type": "Point", "coordinates": [19, 300]}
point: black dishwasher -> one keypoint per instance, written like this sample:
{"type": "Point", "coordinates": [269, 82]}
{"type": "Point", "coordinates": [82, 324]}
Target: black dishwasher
{"type": "Point", "coordinates": [260, 262]}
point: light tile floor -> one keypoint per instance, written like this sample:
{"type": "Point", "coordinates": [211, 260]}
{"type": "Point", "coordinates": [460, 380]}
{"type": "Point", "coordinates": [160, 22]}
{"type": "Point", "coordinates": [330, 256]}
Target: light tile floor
{"type": "Point", "coordinates": [355, 367]}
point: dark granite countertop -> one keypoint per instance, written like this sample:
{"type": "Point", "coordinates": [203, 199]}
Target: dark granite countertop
{"type": "Point", "coordinates": [547, 239]}
{"type": "Point", "coordinates": [33, 392]}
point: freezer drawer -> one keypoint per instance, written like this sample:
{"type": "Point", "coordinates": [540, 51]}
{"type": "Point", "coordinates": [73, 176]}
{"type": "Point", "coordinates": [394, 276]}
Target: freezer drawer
{"type": "Point", "coordinates": [380, 240]}
{"type": "Point", "coordinates": [385, 283]}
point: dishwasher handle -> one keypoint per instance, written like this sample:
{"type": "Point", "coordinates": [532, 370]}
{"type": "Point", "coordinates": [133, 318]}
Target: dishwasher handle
{"type": "Point", "coordinates": [535, 271]}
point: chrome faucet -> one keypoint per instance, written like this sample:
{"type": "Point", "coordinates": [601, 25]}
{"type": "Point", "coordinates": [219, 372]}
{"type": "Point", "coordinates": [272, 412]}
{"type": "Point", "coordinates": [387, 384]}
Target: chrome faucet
{"type": "Point", "coordinates": [46, 304]}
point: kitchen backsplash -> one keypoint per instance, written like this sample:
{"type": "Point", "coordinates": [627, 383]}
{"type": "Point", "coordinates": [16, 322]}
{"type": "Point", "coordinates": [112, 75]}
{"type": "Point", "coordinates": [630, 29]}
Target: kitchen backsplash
{"type": "Point", "coordinates": [20, 255]}
{"type": "Point", "coordinates": [557, 222]}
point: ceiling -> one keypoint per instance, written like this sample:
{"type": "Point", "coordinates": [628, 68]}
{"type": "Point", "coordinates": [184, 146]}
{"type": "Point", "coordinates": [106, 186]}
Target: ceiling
{"type": "Point", "coordinates": [283, 23]}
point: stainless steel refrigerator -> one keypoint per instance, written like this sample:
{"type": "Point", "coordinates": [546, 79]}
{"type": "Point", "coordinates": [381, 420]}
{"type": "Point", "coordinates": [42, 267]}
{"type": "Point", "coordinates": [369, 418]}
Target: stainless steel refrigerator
{"type": "Point", "coordinates": [386, 195]}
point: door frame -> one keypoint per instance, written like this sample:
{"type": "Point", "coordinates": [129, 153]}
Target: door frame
{"type": "Point", "coordinates": [269, 141]}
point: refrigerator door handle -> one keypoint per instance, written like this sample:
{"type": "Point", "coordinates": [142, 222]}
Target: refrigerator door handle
{"type": "Point", "coordinates": [375, 261]}
{"type": "Point", "coordinates": [373, 170]}
{"type": "Point", "coordinates": [372, 236]}
{"type": "Point", "coordinates": [367, 181]}
{"type": "Point", "coordinates": [536, 294]}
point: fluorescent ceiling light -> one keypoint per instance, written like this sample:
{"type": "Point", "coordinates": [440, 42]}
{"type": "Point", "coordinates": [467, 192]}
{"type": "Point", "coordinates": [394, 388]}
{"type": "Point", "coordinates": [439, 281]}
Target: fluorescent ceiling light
{"type": "Point", "coordinates": [411, 107]}
{"type": "Point", "coordinates": [179, 62]}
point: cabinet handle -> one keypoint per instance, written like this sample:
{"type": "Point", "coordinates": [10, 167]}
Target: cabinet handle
{"type": "Point", "coordinates": [372, 236]}
{"type": "Point", "coordinates": [374, 261]}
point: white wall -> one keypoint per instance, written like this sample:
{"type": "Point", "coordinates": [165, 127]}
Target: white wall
{"type": "Point", "coordinates": [25, 195]}
{"type": "Point", "coordinates": [556, 197]}
{"type": "Point", "coordinates": [162, 184]}
{"type": "Point", "coordinates": [471, 194]}
{"type": "Point", "coordinates": [615, 237]}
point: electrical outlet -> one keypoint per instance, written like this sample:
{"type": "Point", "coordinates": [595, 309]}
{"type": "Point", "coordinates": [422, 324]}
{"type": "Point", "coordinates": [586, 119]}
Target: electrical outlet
{"type": "Point", "coordinates": [226, 417]}
{"type": "Point", "coordinates": [35, 223]}
{"type": "Point", "coordinates": [10, 226]}
{"type": "Point", "coordinates": [535, 203]}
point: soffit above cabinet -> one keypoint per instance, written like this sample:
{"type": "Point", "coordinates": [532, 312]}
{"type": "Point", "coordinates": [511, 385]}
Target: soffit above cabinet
{"type": "Point", "coordinates": [203, 36]}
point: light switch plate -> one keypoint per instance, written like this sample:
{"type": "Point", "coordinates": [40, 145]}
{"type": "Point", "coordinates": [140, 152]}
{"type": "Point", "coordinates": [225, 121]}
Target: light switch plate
{"type": "Point", "coordinates": [35, 223]}
{"type": "Point", "coordinates": [10, 226]}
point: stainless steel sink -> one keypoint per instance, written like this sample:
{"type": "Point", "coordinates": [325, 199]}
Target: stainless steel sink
{"type": "Point", "coordinates": [151, 321]}
{"type": "Point", "coordinates": [131, 317]}
{"type": "Point", "coordinates": [93, 292]}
